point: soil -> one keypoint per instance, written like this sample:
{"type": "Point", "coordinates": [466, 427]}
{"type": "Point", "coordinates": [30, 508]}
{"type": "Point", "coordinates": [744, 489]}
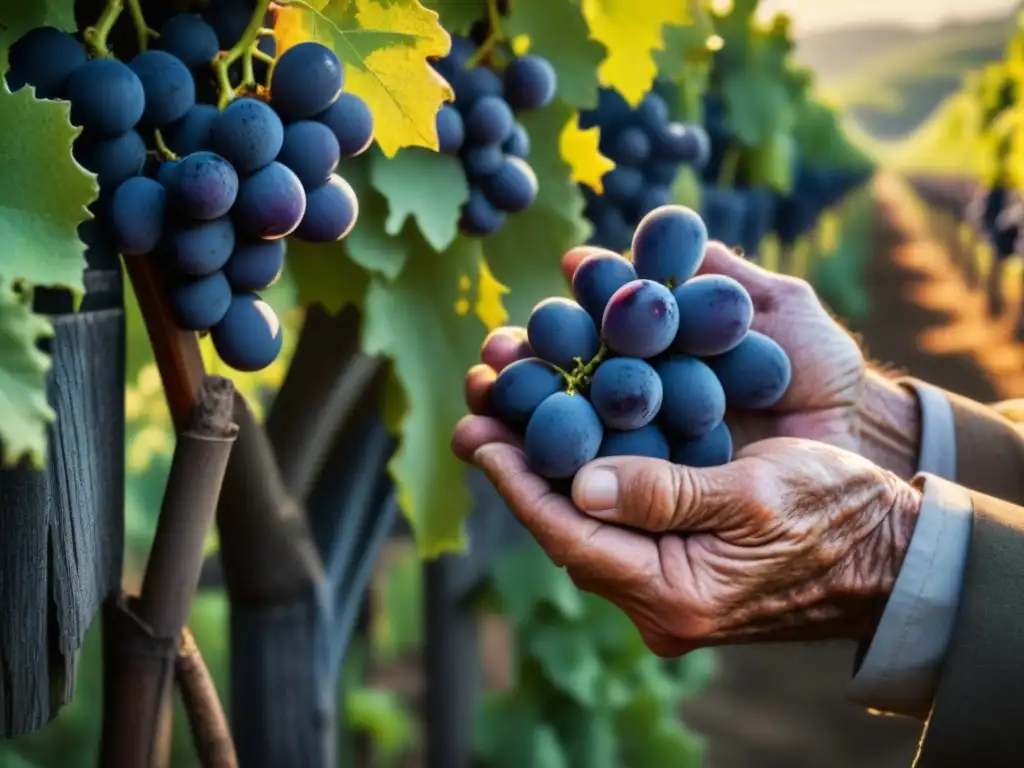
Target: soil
{"type": "Point", "coordinates": [783, 706]}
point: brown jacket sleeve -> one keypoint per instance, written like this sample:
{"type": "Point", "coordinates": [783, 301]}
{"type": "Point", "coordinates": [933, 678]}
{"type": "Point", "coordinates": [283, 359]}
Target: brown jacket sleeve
{"type": "Point", "coordinates": [977, 719]}
{"type": "Point", "coordinates": [990, 450]}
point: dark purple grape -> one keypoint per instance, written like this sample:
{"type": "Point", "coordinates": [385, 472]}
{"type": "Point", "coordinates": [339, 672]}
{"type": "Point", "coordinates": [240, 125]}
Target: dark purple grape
{"type": "Point", "coordinates": [669, 244]}
{"type": "Point", "coordinates": [641, 319]}
{"type": "Point", "coordinates": [626, 393]}
{"type": "Point", "coordinates": [513, 187]}
{"type": "Point", "coordinates": [715, 313]}
{"type": "Point", "coordinates": [598, 277]}
{"type": "Point", "coordinates": [270, 203]}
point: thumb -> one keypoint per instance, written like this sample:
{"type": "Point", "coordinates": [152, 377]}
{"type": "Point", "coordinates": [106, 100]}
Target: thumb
{"type": "Point", "coordinates": [655, 495]}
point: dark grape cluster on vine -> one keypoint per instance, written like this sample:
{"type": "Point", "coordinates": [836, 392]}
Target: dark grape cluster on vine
{"type": "Point", "coordinates": [644, 362]}
{"type": "Point", "coordinates": [742, 214]}
{"type": "Point", "coordinates": [208, 193]}
{"type": "Point", "coordinates": [480, 127]}
{"type": "Point", "coordinates": [649, 149]}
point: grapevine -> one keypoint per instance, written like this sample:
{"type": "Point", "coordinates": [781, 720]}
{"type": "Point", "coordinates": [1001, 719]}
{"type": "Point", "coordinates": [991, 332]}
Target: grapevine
{"type": "Point", "coordinates": [342, 202]}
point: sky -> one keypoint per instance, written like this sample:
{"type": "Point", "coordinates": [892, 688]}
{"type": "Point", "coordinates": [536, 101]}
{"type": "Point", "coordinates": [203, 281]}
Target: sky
{"type": "Point", "coordinates": [816, 15]}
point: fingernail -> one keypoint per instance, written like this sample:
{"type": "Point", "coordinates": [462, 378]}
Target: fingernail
{"type": "Point", "coordinates": [597, 490]}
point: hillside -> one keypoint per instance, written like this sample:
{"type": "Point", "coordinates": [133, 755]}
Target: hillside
{"type": "Point", "coordinates": [891, 77]}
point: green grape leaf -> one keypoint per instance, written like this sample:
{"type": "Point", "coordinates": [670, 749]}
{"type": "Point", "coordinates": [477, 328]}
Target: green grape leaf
{"type": "Point", "coordinates": [773, 163]}
{"type": "Point", "coordinates": [664, 742]}
{"type": "Point", "coordinates": [23, 369]}
{"type": "Point", "coordinates": [568, 657]}
{"type": "Point", "coordinates": [422, 322]}
{"type": "Point", "coordinates": [632, 32]}
{"type": "Point", "coordinates": [381, 715]}
{"type": "Point", "coordinates": [368, 245]}
{"type": "Point", "coordinates": [384, 45]}
{"type": "Point", "coordinates": [590, 738]}
{"type": "Point", "coordinates": [558, 32]}
{"type": "Point", "coordinates": [457, 16]}
{"type": "Point", "coordinates": [525, 579]}
{"type": "Point", "coordinates": [429, 187]}
{"type": "Point", "coordinates": [324, 274]}
{"type": "Point", "coordinates": [510, 733]}
{"type": "Point", "coordinates": [17, 18]}
{"type": "Point", "coordinates": [44, 194]}
{"type": "Point", "coordinates": [757, 105]}
{"type": "Point", "coordinates": [526, 254]}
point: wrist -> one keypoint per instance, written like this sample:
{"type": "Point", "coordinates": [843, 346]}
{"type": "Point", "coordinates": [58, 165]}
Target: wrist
{"type": "Point", "coordinates": [889, 424]}
{"type": "Point", "coordinates": [889, 551]}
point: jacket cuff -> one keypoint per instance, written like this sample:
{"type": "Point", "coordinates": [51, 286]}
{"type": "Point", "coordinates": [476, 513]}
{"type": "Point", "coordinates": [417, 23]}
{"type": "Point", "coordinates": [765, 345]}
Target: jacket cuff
{"type": "Point", "coordinates": [938, 430]}
{"type": "Point", "coordinates": [899, 670]}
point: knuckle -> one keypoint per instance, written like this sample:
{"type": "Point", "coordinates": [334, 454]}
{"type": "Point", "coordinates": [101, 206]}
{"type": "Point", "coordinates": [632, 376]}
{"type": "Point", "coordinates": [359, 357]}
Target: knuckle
{"type": "Point", "coordinates": [653, 496]}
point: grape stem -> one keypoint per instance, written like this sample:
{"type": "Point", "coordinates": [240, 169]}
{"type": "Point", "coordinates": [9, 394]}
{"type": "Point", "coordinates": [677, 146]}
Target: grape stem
{"type": "Point", "coordinates": [583, 371]}
{"type": "Point", "coordinates": [240, 50]}
{"type": "Point", "coordinates": [142, 30]}
{"type": "Point", "coordinates": [161, 146]}
{"type": "Point", "coordinates": [95, 37]}
{"type": "Point", "coordinates": [494, 35]}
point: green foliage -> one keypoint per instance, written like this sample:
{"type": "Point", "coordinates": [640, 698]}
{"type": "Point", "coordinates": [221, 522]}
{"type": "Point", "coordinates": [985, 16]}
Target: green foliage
{"type": "Point", "coordinates": [589, 694]}
{"type": "Point", "coordinates": [39, 215]}
{"type": "Point", "coordinates": [426, 186]}
{"type": "Point", "coordinates": [40, 211]}
{"type": "Point", "coordinates": [22, 377]}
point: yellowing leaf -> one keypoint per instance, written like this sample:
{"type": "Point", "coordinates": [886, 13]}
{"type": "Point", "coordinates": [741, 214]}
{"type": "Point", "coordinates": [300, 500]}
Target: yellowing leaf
{"type": "Point", "coordinates": [490, 307]}
{"type": "Point", "coordinates": [631, 31]}
{"type": "Point", "coordinates": [384, 45]}
{"type": "Point", "coordinates": [579, 149]}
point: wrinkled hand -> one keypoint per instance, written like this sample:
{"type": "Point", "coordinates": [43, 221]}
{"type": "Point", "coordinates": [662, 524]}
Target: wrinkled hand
{"type": "Point", "coordinates": [828, 368]}
{"type": "Point", "coordinates": [792, 540]}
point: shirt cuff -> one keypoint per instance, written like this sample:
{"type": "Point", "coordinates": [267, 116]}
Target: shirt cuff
{"type": "Point", "coordinates": [938, 430]}
{"type": "Point", "coordinates": [900, 669]}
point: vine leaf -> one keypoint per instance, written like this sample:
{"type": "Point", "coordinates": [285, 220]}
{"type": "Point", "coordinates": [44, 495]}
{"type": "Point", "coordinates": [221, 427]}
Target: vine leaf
{"type": "Point", "coordinates": [427, 186]}
{"type": "Point", "coordinates": [324, 274]}
{"type": "Point", "coordinates": [632, 32]}
{"type": "Point", "coordinates": [384, 45]}
{"type": "Point", "coordinates": [416, 321]}
{"type": "Point", "coordinates": [17, 18]}
{"type": "Point", "coordinates": [757, 105]}
{"type": "Point", "coordinates": [579, 148]}
{"type": "Point", "coordinates": [23, 368]}
{"type": "Point", "coordinates": [558, 32]}
{"type": "Point", "coordinates": [525, 579]}
{"type": "Point", "coordinates": [44, 194]}
{"type": "Point", "coordinates": [526, 253]}
{"type": "Point", "coordinates": [511, 733]}
{"type": "Point", "coordinates": [457, 16]}
{"type": "Point", "coordinates": [569, 659]}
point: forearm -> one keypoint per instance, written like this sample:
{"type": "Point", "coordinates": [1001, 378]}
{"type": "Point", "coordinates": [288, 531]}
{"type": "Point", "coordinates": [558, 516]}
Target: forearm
{"type": "Point", "coordinates": [890, 425]}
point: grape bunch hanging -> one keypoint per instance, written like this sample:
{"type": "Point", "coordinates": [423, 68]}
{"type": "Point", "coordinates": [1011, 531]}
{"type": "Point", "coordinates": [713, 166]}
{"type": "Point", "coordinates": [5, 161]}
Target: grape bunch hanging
{"type": "Point", "coordinates": [644, 362]}
{"type": "Point", "coordinates": [649, 150]}
{"type": "Point", "coordinates": [209, 190]}
{"type": "Point", "coordinates": [480, 128]}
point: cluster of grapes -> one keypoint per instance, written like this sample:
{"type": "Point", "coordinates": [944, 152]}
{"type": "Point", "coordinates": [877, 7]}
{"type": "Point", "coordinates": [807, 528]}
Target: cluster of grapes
{"type": "Point", "coordinates": [645, 362]}
{"type": "Point", "coordinates": [743, 214]}
{"type": "Point", "coordinates": [228, 185]}
{"type": "Point", "coordinates": [480, 127]}
{"type": "Point", "coordinates": [648, 150]}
